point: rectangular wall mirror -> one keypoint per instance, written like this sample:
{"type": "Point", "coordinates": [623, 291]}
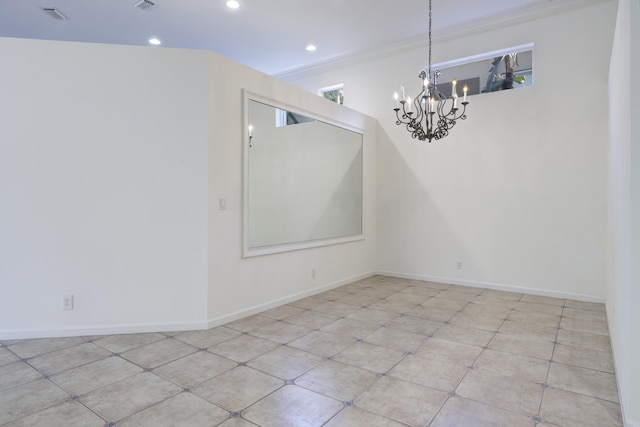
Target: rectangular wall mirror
{"type": "Point", "coordinates": [302, 179]}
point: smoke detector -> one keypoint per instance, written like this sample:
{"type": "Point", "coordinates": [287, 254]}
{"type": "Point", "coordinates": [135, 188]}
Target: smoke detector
{"type": "Point", "coordinates": [55, 13]}
{"type": "Point", "coordinates": [144, 4]}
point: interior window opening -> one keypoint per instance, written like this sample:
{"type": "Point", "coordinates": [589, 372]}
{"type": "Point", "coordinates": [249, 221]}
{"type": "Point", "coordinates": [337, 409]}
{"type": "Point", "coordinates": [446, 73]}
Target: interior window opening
{"type": "Point", "coordinates": [334, 93]}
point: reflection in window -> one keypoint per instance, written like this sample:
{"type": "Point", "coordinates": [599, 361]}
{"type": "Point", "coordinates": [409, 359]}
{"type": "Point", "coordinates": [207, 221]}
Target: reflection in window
{"type": "Point", "coordinates": [333, 93]}
{"type": "Point", "coordinates": [505, 69]}
{"type": "Point", "coordinates": [286, 118]}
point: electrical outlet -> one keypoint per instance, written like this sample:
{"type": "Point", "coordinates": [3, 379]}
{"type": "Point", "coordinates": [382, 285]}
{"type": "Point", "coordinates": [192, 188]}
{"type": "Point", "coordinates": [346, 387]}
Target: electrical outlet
{"type": "Point", "coordinates": [459, 265]}
{"type": "Point", "coordinates": [313, 273]}
{"type": "Point", "coordinates": [67, 302]}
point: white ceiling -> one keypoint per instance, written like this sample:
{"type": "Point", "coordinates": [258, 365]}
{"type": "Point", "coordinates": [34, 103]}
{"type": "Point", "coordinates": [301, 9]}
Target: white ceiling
{"type": "Point", "coordinates": [269, 35]}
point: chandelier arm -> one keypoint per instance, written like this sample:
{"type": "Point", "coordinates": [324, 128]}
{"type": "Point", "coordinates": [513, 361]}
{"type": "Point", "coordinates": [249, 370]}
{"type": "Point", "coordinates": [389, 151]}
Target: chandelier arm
{"type": "Point", "coordinates": [463, 115]}
{"type": "Point", "coordinates": [406, 117]}
{"type": "Point", "coordinates": [454, 114]}
{"type": "Point", "coordinates": [419, 109]}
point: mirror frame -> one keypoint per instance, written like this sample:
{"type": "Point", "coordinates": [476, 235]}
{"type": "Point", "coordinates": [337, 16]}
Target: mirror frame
{"type": "Point", "coordinates": [248, 251]}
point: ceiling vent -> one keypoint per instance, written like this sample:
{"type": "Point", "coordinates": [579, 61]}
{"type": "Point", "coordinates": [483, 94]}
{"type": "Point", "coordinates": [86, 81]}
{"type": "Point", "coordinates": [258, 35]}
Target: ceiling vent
{"type": "Point", "coordinates": [55, 13]}
{"type": "Point", "coordinates": [144, 4]}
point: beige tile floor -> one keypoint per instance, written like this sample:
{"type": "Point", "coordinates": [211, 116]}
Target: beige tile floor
{"type": "Point", "coordinates": [379, 352]}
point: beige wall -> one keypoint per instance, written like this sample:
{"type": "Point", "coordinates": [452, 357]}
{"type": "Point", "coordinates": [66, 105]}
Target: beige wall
{"type": "Point", "coordinates": [103, 184]}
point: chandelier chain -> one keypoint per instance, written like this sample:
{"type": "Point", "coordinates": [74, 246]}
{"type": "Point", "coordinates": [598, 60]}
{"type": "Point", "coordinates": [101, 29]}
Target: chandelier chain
{"type": "Point", "coordinates": [429, 75]}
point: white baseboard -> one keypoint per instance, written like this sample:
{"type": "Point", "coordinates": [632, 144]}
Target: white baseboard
{"type": "Point", "coordinates": [226, 318]}
{"type": "Point", "coordinates": [495, 286]}
{"type": "Point", "coordinates": [132, 328]}
{"type": "Point", "coordinates": [221, 320]}
{"type": "Point", "coordinates": [626, 421]}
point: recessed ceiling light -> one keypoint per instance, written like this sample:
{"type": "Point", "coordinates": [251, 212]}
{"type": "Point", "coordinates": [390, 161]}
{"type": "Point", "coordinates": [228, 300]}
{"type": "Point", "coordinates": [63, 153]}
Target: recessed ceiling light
{"type": "Point", "coordinates": [154, 41]}
{"type": "Point", "coordinates": [233, 4]}
{"type": "Point", "coordinates": [311, 48]}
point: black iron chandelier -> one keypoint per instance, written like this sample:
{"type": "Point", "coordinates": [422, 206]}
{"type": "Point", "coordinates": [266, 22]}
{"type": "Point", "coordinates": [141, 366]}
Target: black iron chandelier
{"type": "Point", "coordinates": [431, 114]}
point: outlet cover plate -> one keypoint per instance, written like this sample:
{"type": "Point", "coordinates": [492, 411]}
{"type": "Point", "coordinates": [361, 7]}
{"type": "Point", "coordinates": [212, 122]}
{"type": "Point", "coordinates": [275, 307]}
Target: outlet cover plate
{"type": "Point", "coordinates": [67, 302]}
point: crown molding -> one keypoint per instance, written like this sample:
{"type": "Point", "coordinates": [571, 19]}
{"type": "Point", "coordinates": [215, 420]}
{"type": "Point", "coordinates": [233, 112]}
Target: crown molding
{"type": "Point", "coordinates": [495, 22]}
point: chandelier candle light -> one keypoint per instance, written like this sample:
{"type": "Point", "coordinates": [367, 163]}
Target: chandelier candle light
{"type": "Point", "coordinates": [430, 101]}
